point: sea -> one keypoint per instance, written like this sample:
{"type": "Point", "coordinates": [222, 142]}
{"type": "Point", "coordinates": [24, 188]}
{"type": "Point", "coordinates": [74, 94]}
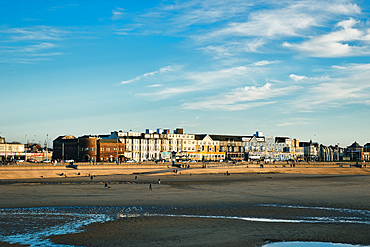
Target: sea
{"type": "Point", "coordinates": [33, 226]}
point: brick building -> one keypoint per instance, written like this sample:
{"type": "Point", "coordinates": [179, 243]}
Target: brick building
{"type": "Point", "coordinates": [65, 148]}
{"type": "Point", "coordinates": [88, 148]}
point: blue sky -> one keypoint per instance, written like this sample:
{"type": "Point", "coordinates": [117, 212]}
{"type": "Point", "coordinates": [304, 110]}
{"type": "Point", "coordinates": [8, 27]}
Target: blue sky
{"type": "Point", "coordinates": [288, 68]}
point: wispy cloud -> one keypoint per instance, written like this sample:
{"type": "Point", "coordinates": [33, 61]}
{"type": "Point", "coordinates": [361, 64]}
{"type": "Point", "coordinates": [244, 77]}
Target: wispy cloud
{"type": "Point", "coordinates": [180, 16]}
{"type": "Point", "coordinates": [287, 18]}
{"type": "Point", "coordinates": [23, 60]}
{"type": "Point", "coordinates": [155, 85]}
{"type": "Point", "coordinates": [230, 27]}
{"type": "Point", "coordinates": [347, 85]}
{"type": "Point", "coordinates": [201, 81]}
{"type": "Point", "coordinates": [151, 74]}
{"type": "Point", "coordinates": [118, 13]}
{"type": "Point", "coordinates": [126, 30]}
{"type": "Point", "coordinates": [294, 121]}
{"type": "Point", "coordinates": [27, 48]}
{"type": "Point", "coordinates": [344, 42]}
{"type": "Point", "coordinates": [63, 6]}
{"type": "Point", "coordinates": [241, 98]}
{"type": "Point", "coordinates": [264, 63]}
{"type": "Point", "coordinates": [18, 44]}
{"type": "Point", "coordinates": [34, 33]}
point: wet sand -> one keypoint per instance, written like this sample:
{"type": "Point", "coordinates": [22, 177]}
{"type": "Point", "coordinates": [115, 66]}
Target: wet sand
{"type": "Point", "coordinates": [203, 194]}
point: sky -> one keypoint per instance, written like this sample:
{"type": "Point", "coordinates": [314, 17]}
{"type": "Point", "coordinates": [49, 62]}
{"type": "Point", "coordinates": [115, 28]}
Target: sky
{"type": "Point", "coordinates": [299, 69]}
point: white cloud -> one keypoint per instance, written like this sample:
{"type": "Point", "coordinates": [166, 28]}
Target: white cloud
{"type": "Point", "coordinates": [221, 50]}
{"type": "Point", "coordinates": [286, 124]}
{"type": "Point", "coordinates": [41, 46]}
{"type": "Point", "coordinates": [253, 45]}
{"type": "Point", "coordinates": [21, 43]}
{"type": "Point", "coordinates": [155, 85]}
{"type": "Point", "coordinates": [294, 121]}
{"type": "Point", "coordinates": [268, 24]}
{"type": "Point", "coordinates": [298, 77]}
{"type": "Point", "coordinates": [118, 13]}
{"type": "Point", "coordinates": [200, 81]}
{"type": "Point", "coordinates": [234, 48]}
{"type": "Point", "coordinates": [241, 98]}
{"type": "Point", "coordinates": [150, 74]}
{"type": "Point", "coordinates": [347, 85]}
{"type": "Point", "coordinates": [34, 33]}
{"type": "Point", "coordinates": [345, 8]}
{"type": "Point", "coordinates": [344, 42]}
{"type": "Point", "coordinates": [182, 15]}
{"type": "Point", "coordinates": [264, 62]}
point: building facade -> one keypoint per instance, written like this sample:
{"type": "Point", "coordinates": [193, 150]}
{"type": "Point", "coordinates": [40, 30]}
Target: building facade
{"type": "Point", "coordinates": [88, 148]}
{"type": "Point", "coordinates": [10, 152]}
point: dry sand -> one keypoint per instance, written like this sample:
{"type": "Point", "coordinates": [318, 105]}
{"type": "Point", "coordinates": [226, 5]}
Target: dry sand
{"type": "Point", "coordinates": [201, 192]}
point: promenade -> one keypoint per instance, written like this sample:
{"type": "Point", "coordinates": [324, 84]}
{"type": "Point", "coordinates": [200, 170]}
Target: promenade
{"type": "Point", "coordinates": [42, 170]}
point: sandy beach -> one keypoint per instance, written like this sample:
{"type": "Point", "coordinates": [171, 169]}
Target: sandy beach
{"type": "Point", "coordinates": [253, 192]}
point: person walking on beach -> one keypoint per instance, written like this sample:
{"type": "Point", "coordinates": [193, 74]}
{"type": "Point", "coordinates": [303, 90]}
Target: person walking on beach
{"type": "Point", "coordinates": [159, 181]}
{"type": "Point", "coordinates": [150, 186]}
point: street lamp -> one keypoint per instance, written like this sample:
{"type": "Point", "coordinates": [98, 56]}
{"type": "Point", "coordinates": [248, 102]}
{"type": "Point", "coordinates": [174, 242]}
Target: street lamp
{"type": "Point", "coordinates": [47, 140]}
{"type": "Point", "coordinates": [338, 151]}
{"type": "Point", "coordinates": [117, 150]}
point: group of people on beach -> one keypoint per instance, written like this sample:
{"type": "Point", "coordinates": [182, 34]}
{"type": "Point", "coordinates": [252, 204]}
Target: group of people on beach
{"type": "Point", "coordinates": [150, 184]}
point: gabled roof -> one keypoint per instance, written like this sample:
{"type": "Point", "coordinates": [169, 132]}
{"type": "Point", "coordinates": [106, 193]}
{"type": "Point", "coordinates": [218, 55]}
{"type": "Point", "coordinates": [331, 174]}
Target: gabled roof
{"type": "Point", "coordinates": [200, 137]}
{"type": "Point", "coordinates": [281, 139]}
{"type": "Point", "coordinates": [226, 138]}
{"type": "Point", "coordinates": [355, 145]}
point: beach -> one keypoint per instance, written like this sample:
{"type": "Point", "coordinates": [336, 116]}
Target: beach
{"type": "Point", "coordinates": [202, 207]}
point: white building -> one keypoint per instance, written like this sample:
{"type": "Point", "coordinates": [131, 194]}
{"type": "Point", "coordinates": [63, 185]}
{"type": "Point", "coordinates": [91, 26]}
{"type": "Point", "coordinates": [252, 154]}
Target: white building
{"type": "Point", "coordinates": [11, 151]}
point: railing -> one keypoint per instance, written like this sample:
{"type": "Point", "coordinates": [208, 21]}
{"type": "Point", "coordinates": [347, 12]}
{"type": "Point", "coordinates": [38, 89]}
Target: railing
{"type": "Point", "coordinates": [152, 165]}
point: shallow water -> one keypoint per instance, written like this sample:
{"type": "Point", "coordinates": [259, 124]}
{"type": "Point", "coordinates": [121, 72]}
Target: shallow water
{"type": "Point", "coordinates": [309, 244]}
{"type": "Point", "coordinates": [32, 226]}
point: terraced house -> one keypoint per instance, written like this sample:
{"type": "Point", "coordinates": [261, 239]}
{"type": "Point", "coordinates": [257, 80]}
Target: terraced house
{"type": "Point", "coordinates": [161, 145]}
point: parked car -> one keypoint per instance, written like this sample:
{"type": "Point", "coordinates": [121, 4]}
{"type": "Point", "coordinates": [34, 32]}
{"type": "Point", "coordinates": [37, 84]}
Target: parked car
{"type": "Point", "coordinates": [46, 161]}
{"type": "Point", "coordinates": [32, 160]}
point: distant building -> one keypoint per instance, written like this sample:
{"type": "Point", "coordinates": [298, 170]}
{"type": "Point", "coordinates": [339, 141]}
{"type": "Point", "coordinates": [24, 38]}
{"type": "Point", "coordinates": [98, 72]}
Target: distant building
{"type": "Point", "coordinates": [311, 150]}
{"type": "Point", "coordinates": [367, 151]}
{"type": "Point", "coordinates": [161, 145]}
{"type": "Point", "coordinates": [207, 148]}
{"type": "Point", "coordinates": [355, 151]}
{"type": "Point", "coordinates": [88, 148]}
{"type": "Point", "coordinates": [11, 151]}
{"type": "Point", "coordinates": [269, 148]}
{"type": "Point", "coordinates": [231, 145]}
{"type": "Point", "coordinates": [65, 148]}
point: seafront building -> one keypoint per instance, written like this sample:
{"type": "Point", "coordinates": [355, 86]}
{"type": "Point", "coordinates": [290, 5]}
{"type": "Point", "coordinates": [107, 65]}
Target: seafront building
{"type": "Point", "coordinates": [17, 152]}
{"type": "Point", "coordinates": [88, 148]}
{"type": "Point", "coordinates": [11, 151]}
{"type": "Point", "coordinates": [162, 145]}
{"type": "Point", "coordinates": [357, 152]}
